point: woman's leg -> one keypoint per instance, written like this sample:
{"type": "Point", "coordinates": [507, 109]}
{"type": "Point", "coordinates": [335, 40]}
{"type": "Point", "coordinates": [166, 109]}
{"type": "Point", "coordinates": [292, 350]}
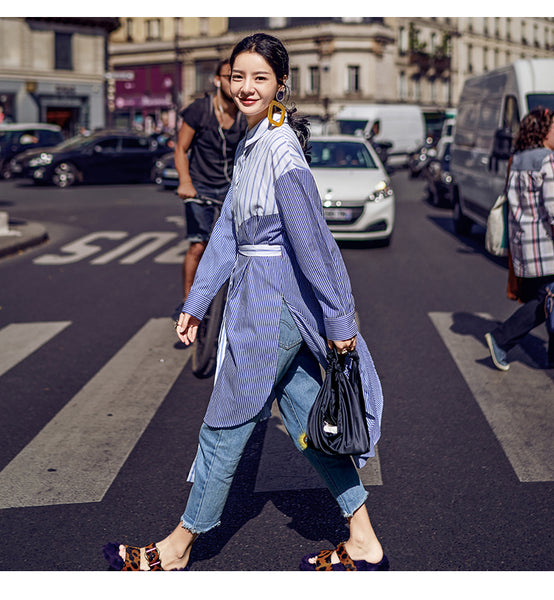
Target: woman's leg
{"type": "Point", "coordinates": [512, 331]}
{"type": "Point", "coordinates": [296, 392]}
{"type": "Point", "coordinates": [218, 455]}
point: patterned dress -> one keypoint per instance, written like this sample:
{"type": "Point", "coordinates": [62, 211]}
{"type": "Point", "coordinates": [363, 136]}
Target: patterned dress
{"type": "Point", "coordinates": [274, 245]}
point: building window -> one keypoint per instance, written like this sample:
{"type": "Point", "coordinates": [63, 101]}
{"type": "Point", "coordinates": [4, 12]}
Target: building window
{"type": "Point", "coordinates": [433, 89]}
{"type": "Point", "coordinates": [523, 33]}
{"type": "Point", "coordinates": [485, 59]}
{"type": "Point", "coordinates": [294, 81]}
{"type": "Point", "coordinates": [417, 89]}
{"type": "Point", "coordinates": [402, 90]}
{"type": "Point", "coordinates": [177, 27]}
{"type": "Point", "coordinates": [129, 29]}
{"type": "Point", "coordinates": [204, 26]}
{"type": "Point", "coordinates": [470, 58]}
{"type": "Point", "coordinates": [153, 29]}
{"type": "Point", "coordinates": [353, 81]}
{"type": "Point", "coordinates": [508, 28]}
{"type": "Point", "coordinates": [446, 90]}
{"type": "Point", "coordinates": [314, 80]}
{"type": "Point", "coordinates": [403, 40]}
{"type": "Point", "coordinates": [63, 55]}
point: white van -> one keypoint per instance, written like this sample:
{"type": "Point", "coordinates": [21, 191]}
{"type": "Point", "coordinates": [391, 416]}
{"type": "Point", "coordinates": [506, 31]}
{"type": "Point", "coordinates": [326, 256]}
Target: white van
{"type": "Point", "coordinates": [490, 109]}
{"type": "Point", "coordinates": [402, 125]}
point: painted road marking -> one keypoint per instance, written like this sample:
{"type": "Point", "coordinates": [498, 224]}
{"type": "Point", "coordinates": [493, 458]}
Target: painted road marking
{"type": "Point", "coordinates": [517, 404]}
{"type": "Point", "coordinates": [78, 454]}
{"type": "Point", "coordinates": [283, 467]}
{"type": "Point", "coordinates": [19, 340]}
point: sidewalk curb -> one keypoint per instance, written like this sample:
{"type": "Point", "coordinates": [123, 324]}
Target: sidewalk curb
{"type": "Point", "coordinates": [32, 234]}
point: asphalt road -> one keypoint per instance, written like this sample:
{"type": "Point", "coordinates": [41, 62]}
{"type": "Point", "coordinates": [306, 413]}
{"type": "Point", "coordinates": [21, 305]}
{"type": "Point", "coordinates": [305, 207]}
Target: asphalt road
{"type": "Point", "coordinates": [101, 411]}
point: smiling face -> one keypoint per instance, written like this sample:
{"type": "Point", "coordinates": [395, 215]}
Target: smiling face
{"type": "Point", "coordinates": [253, 86]}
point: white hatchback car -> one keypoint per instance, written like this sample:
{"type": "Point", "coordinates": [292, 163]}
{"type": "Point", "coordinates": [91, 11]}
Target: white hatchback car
{"type": "Point", "coordinates": [355, 189]}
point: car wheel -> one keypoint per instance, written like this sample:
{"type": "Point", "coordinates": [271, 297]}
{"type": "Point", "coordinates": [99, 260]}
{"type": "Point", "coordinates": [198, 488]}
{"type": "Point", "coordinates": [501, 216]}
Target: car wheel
{"type": "Point", "coordinates": [65, 175]}
{"type": "Point", "coordinates": [5, 172]}
{"type": "Point", "coordinates": [462, 225]}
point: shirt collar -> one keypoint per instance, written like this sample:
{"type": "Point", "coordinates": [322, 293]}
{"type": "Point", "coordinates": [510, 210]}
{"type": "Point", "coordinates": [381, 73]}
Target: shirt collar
{"type": "Point", "coordinates": [253, 135]}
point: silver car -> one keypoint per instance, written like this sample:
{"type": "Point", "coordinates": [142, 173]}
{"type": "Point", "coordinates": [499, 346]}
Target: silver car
{"type": "Point", "coordinates": [356, 192]}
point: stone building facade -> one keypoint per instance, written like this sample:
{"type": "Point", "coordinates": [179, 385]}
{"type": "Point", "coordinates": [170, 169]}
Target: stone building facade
{"type": "Point", "coordinates": [53, 70]}
{"type": "Point", "coordinates": [334, 61]}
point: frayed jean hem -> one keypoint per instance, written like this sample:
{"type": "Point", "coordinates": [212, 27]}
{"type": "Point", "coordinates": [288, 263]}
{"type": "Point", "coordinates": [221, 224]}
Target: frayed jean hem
{"type": "Point", "coordinates": [347, 515]}
{"type": "Point", "coordinates": [196, 530]}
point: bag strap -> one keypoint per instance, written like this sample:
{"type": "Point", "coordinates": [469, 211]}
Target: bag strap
{"type": "Point", "coordinates": [508, 169]}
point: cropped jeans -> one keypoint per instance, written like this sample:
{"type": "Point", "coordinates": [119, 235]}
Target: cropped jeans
{"type": "Point", "coordinates": [297, 383]}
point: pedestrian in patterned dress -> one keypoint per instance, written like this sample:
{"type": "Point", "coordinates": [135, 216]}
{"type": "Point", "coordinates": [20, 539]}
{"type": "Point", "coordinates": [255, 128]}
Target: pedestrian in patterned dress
{"type": "Point", "coordinates": [531, 233]}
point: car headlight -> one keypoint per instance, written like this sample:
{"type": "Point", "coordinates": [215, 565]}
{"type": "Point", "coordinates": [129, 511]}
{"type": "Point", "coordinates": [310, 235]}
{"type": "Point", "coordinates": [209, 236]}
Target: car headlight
{"type": "Point", "coordinates": [41, 160]}
{"type": "Point", "coordinates": [381, 192]}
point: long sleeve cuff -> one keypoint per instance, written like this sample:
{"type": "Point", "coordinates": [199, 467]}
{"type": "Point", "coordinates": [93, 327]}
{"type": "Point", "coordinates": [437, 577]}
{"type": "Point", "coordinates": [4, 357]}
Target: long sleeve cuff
{"type": "Point", "coordinates": [196, 305]}
{"type": "Point", "coordinates": [341, 328]}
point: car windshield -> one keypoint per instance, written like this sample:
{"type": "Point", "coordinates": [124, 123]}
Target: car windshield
{"type": "Point", "coordinates": [351, 126]}
{"type": "Point", "coordinates": [340, 155]}
{"type": "Point", "coordinates": [540, 100]}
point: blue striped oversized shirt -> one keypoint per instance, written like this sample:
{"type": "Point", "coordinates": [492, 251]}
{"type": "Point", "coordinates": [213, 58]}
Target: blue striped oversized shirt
{"type": "Point", "coordinates": [273, 200]}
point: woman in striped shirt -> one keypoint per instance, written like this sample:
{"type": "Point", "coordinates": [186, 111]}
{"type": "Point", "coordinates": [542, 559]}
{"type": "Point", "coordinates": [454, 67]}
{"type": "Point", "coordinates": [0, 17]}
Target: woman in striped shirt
{"type": "Point", "coordinates": [289, 299]}
{"type": "Point", "coordinates": [531, 228]}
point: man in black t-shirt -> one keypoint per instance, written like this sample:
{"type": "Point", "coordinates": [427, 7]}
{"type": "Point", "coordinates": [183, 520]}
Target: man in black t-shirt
{"type": "Point", "coordinates": [212, 128]}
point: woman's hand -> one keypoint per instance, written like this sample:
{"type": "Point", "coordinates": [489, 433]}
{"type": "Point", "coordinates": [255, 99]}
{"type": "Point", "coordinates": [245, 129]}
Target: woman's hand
{"type": "Point", "coordinates": [187, 328]}
{"type": "Point", "coordinates": [343, 346]}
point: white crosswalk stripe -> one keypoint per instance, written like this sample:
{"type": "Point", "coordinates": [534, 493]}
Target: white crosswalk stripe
{"type": "Point", "coordinates": [19, 340]}
{"type": "Point", "coordinates": [78, 454]}
{"type": "Point", "coordinates": [517, 404]}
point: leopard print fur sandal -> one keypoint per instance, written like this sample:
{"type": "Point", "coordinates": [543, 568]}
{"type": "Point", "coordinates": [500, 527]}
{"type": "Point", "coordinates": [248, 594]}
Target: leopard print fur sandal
{"type": "Point", "coordinates": [323, 562]}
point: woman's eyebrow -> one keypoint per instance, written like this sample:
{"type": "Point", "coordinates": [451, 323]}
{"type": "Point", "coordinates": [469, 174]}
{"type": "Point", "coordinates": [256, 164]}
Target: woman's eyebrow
{"type": "Point", "coordinates": [239, 72]}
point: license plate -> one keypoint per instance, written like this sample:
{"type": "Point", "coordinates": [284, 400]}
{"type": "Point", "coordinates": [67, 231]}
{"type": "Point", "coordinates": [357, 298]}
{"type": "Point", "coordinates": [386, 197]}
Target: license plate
{"type": "Point", "coordinates": [171, 173]}
{"type": "Point", "coordinates": [338, 214]}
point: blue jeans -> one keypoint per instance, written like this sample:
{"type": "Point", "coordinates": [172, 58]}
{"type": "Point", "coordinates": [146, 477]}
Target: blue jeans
{"type": "Point", "coordinates": [297, 383]}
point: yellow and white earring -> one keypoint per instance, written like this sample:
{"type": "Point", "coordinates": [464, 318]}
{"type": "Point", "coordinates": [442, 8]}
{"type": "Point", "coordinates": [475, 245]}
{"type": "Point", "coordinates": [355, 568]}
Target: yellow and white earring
{"type": "Point", "coordinates": [277, 105]}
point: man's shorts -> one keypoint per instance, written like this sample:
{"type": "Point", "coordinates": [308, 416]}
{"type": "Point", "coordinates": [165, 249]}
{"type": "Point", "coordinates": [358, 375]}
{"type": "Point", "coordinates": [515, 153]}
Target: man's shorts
{"type": "Point", "coordinates": [199, 218]}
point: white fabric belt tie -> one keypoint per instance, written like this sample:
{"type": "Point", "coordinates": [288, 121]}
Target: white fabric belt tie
{"type": "Point", "coordinates": [260, 250]}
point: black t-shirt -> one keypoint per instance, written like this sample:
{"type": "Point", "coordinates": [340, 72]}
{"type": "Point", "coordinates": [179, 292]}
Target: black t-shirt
{"type": "Point", "coordinates": [213, 148]}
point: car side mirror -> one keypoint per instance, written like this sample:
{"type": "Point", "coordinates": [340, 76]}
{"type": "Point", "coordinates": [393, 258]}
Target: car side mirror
{"type": "Point", "coordinates": [502, 147]}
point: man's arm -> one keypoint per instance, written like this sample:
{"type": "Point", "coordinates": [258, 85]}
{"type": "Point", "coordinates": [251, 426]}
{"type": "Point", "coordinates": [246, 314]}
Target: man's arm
{"type": "Point", "coordinates": [186, 188]}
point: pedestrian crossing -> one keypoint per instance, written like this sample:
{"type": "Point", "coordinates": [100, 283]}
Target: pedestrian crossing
{"type": "Point", "coordinates": [518, 404]}
{"type": "Point", "coordinates": [77, 455]}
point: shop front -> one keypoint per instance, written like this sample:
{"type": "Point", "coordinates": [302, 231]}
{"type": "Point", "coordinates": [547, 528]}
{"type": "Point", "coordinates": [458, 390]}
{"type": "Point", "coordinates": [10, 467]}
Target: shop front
{"type": "Point", "coordinates": [73, 105]}
{"type": "Point", "coordinates": [147, 101]}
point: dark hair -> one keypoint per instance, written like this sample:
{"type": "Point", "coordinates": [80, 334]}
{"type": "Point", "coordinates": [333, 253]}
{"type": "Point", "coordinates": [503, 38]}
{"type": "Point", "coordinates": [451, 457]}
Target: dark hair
{"type": "Point", "coordinates": [274, 52]}
{"type": "Point", "coordinates": [220, 65]}
{"type": "Point", "coordinates": [533, 129]}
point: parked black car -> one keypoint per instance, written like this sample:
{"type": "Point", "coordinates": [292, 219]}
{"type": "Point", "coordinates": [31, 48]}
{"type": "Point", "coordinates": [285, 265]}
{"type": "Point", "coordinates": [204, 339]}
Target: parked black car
{"type": "Point", "coordinates": [440, 182]}
{"type": "Point", "coordinates": [102, 157]}
{"type": "Point", "coordinates": [19, 137]}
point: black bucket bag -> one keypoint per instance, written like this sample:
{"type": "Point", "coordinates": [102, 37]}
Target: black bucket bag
{"type": "Point", "coordinates": [337, 422]}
